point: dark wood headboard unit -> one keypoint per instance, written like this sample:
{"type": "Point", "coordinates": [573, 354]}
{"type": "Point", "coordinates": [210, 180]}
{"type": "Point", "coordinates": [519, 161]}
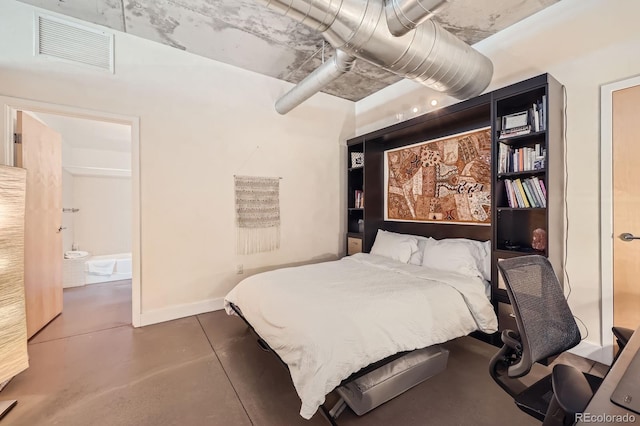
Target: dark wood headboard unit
{"type": "Point", "coordinates": [461, 117]}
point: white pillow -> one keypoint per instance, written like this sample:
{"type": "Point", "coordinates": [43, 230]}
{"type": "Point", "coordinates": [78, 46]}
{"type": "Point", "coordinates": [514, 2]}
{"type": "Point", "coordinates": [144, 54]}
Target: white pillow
{"type": "Point", "coordinates": [416, 258]}
{"type": "Point", "coordinates": [399, 247]}
{"type": "Point", "coordinates": [486, 264]}
{"type": "Point", "coordinates": [461, 255]}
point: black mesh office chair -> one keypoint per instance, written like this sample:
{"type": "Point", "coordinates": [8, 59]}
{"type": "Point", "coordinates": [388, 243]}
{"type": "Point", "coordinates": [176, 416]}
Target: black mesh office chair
{"type": "Point", "coordinates": [546, 328]}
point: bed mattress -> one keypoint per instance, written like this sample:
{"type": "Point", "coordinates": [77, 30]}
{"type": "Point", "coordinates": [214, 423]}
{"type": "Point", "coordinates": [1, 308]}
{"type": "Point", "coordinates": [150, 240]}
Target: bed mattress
{"type": "Point", "coordinates": [329, 320]}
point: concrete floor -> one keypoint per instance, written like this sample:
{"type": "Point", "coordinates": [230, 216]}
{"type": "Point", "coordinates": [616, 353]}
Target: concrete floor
{"type": "Point", "coordinates": [90, 367]}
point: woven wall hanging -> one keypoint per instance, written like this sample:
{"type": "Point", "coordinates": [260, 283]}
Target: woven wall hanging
{"type": "Point", "coordinates": [257, 214]}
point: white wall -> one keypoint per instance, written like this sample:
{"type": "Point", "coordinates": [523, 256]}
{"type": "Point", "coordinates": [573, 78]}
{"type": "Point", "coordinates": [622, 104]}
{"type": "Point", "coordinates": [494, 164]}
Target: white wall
{"type": "Point", "coordinates": [98, 158]}
{"type": "Point", "coordinates": [201, 122]}
{"type": "Point", "coordinates": [103, 224]}
{"type": "Point", "coordinates": [583, 44]}
{"type": "Point", "coordinates": [67, 217]}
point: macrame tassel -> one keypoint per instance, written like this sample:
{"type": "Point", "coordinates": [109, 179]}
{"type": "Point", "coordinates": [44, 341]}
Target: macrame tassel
{"type": "Point", "coordinates": [256, 240]}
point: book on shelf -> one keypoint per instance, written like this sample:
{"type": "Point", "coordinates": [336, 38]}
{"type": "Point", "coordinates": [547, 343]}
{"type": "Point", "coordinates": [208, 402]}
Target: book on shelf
{"type": "Point", "coordinates": [543, 188]}
{"type": "Point", "coordinates": [516, 198]}
{"type": "Point", "coordinates": [523, 195]}
{"type": "Point", "coordinates": [511, 196]}
{"type": "Point", "coordinates": [521, 155]}
{"type": "Point", "coordinates": [536, 117]}
{"type": "Point", "coordinates": [537, 192]}
{"type": "Point", "coordinates": [532, 201]}
{"type": "Point", "coordinates": [531, 194]}
{"type": "Point", "coordinates": [358, 199]}
{"type": "Point", "coordinates": [536, 183]}
{"type": "Point", "coordinates": [504, 156]}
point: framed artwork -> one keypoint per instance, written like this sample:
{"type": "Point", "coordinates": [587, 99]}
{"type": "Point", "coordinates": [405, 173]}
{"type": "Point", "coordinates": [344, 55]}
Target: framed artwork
{"type": "Point", "coordinates": [357, 159]}
{"type": "Point", "coordinates": [445, 180]}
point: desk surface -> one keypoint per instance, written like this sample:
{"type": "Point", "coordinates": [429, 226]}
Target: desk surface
{"type": "Point", "coordinates": [601, 403]}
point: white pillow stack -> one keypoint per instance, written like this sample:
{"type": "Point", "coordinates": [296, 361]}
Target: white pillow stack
{"type": "Point", "coordinates": [468, 257]}
{"type": "Point", "coordinates": [398, 247]}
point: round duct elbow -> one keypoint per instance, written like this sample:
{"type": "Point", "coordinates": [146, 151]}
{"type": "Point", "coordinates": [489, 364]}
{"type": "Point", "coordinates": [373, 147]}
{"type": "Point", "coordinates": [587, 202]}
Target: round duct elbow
{"type": "Point", "coordinates": [405, 15]}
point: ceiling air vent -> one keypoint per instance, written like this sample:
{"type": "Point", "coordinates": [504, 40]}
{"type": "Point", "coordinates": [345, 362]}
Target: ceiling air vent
{"type": "Point", "coordinates": [73, 42]}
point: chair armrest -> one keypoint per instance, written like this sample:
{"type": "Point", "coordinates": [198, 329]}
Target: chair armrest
{"type": "Point", "coordinates": [571, 389]}
{"type": "Point", "coordinates": [512, 339]}
{"type": "Point", "coordinates": [622, 335]}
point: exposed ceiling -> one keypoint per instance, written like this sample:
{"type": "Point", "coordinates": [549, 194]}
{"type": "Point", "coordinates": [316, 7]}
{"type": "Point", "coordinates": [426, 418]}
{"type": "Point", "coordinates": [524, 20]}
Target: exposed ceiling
{"type": "Point", "coordinates": [246, 34]}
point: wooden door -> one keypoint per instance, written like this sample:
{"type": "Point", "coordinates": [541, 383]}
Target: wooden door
{"type": "Point", "coordinates": [39, 151]}
{"type": "Point", "coordinates": [626, 207]}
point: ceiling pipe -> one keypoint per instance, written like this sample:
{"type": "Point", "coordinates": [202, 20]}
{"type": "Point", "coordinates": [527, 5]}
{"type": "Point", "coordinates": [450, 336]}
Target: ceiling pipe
{"type": "Point", "coordinates": [428, 54]}
{"type": "Point", "coordinates": [405, 15]}
{"type": "Point", "coordinates": [339, 64]}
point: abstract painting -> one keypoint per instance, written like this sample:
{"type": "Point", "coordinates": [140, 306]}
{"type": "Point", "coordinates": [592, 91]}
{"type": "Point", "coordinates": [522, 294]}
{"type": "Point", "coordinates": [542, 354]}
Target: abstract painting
{"type": "Point", "coordinates": [446, 180]}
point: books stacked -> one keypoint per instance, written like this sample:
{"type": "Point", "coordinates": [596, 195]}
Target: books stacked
{"type": "Point", "coordinates": [525, 193]}
{"type": "Point", "coordinates": [521, 123]}
{"type": "Point", "coordinates": [359, 199]}
{"type": "Point", "coordinates": [515, 131]}
{"type": "Point", "coordinates": [523, 159]}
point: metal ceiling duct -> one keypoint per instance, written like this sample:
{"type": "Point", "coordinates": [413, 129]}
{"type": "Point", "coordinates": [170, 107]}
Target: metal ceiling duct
{"type": "Point", "coordinates": [428, 54]}
{"type": "Point", "coordinates": [339, 64]}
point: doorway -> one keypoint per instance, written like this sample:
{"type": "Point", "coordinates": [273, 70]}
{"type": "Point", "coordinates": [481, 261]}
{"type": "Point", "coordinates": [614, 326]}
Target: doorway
{"type": "Point", "coordinates": [620, 200]}
{"type": "Point", "coordinates": [12, 105]}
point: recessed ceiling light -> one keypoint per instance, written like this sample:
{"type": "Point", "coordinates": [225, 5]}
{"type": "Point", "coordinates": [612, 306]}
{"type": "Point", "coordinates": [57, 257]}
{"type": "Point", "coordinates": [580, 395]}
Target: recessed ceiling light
{"type": "Point", "coordinates": [434, 102]}
{"type": "Point", "coordinates": [415, 109]}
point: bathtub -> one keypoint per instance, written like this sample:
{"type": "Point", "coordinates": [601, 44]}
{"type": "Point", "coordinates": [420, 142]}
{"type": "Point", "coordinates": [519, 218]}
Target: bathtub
{"type": "Point", "coordinates": [73, 269]}
{"type": "Point", "coordinates": [109, 267]}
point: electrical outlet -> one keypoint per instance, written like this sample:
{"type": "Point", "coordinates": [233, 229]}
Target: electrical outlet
{"type": "Point", "coordinates": [239, 269]}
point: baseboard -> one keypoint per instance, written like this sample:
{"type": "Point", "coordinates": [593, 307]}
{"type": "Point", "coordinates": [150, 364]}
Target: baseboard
{"type": "Point", "coordinates": [593, 352]}
{"type": "Point", "coordinates": [180, 311]}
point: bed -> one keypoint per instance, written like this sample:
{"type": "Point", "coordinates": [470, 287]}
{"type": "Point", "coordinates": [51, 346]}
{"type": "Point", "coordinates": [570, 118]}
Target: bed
{"type": "Point", "coordinates": [328, 321]}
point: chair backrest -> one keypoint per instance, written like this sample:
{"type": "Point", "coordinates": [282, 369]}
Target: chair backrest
{"type": "Point", "coordinates": [545, 322]}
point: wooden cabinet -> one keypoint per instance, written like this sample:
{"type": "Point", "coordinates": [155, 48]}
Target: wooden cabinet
{"type": "Point", "coordinates": [355, 195]}
{"type": "Point", "coordinates": [539, 101]}
{"type": "Point", "coordinates": [354, 245]}
{"type": "Point", "coordinates": [528, 164]}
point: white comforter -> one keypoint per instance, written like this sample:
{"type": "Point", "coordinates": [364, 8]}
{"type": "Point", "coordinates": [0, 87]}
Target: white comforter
{"type": "Point", "coordinates": [329, 320]}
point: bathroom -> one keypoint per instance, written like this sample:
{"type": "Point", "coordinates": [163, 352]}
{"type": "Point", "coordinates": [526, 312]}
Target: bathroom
{"type": "Point", "coordinates": [96, 200]}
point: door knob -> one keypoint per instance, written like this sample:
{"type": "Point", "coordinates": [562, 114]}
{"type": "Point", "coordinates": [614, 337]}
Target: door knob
{"type": "Point", "coordinates": [628, 237]}
{"type": "Point", "coordinates": [61, 228]}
